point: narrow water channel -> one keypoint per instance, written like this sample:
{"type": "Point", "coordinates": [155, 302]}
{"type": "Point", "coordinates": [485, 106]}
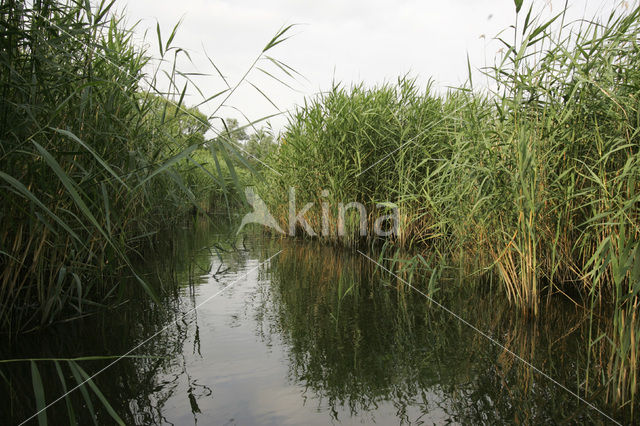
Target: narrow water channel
{"type": "Point", "coordinates": [315, 335]}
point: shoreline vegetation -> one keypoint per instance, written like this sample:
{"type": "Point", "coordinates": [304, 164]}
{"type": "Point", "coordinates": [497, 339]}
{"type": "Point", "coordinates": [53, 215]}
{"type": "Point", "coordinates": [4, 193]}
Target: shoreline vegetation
{"type": "Point", "coordinates": [533, 182]}
{"type": "Point", "coordinates": [99, 154]}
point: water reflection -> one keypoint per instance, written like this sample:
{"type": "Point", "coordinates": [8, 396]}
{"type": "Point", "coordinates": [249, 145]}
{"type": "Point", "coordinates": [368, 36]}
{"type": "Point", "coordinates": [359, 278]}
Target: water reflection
{"type": "Point", "coordinates": [313, 336]}
{"type": "Point", "coordinates": [357, 339]}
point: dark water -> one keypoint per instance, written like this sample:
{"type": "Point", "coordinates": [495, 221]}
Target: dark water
{"type": "Point", "coordinates": [315, 335]}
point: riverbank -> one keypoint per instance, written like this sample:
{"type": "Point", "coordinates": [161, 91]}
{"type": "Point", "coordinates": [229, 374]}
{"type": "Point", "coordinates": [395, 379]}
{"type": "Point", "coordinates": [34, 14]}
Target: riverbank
{"type": "Point", "coordinates": [535, 182]}
{"type": "Point", "coordinates": [96, 159]}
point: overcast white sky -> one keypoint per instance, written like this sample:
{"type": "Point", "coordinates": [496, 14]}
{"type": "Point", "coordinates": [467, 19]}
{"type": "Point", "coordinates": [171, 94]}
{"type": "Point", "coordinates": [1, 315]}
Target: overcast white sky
{"type": "Point", "coordinates": [369, 41]}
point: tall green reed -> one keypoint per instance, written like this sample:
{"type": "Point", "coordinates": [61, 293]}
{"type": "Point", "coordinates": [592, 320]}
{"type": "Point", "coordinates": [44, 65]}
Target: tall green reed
{"type": "Point", "coordinates": [98, 152]}
{"type": "Point", "coordinates": [534, 180]}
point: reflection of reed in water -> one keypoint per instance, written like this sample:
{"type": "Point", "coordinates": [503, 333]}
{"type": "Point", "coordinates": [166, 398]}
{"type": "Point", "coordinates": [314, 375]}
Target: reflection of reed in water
{"type": "Point", "coordinates": [136, 388]}
{"type": "Point", "coordinates": [358, 338]}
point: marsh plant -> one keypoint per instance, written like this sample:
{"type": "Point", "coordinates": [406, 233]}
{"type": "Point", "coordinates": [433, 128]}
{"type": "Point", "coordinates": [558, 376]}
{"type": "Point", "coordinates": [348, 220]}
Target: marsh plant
{"type": "Point", "coordinates": [99, 152]}
{"type": "Point", "coordinates": [534, 180]}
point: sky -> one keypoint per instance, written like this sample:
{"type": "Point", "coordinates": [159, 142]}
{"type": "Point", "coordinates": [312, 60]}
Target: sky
{"type": "Point", "coordinates": [369, 42]}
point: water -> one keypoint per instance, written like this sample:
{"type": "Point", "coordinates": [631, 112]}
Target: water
{"type": "Point", "coordinates": [313, 336]}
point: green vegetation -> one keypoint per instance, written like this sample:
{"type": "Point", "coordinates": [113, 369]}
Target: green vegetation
{"type": "Point", "coordinates": [86, 156]}
{"type": "Point", "coordinates": [99, 153]}
{"type": "Point", "coordinates": [536, 182]}
{"type": "Point", "coordinates": [96, 157]}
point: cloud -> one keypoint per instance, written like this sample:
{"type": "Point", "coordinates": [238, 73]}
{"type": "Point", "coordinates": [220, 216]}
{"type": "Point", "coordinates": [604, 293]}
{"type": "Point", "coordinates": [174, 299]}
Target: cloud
{"type": "Point", "coordinates": [370, 41]}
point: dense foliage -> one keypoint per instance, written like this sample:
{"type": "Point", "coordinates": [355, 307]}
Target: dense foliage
{"type": "Point", "coordinates": [94, 160]}
{"type": "Point", "coordinates": [536, 182]}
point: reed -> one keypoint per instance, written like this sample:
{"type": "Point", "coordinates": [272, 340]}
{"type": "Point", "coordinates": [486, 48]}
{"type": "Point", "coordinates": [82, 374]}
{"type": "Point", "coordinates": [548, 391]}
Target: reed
{"type": "Point", "coordinates": [98, 152]}
{"type": "Point", "coordinates": [535, 180]}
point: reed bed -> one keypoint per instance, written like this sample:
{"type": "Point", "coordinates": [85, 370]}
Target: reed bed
{"type": "Point", "coordinates": [535, 180]}
{"type": "Point", "coordinates": [99, 151]}
{"type": "Point", "coordinates": [81, 142]}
